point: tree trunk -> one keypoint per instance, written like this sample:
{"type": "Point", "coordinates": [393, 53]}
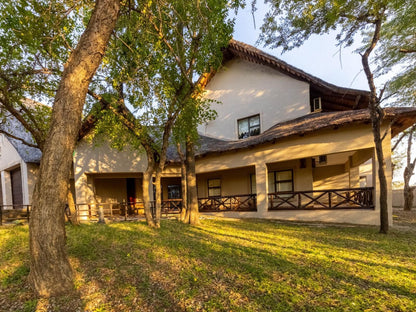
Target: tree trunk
{"type": "Point", "coordinates": [146, 185]}
{"type": "Point", "coordinates": [158, 199]}
{"type": "Point", "coordinates": [377, 115]}
{"type": "Point", "coordinates": [408, 195]}
{"type": "Point", "coordinates": [408, 173]}
{"type": "Point", "coordinates": [73, 217]}
{"type": "Point", "coordinates": [184, 192]}
{"type": "Point", "coordinates": [192, 200]}
{"type": "Point", "coordinates": [50, 271]}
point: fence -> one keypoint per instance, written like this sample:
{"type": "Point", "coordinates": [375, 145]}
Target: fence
{"type": "Point", "coordinates": [14, 212]}
{"type": "Point", "coordinates": [354, 198]}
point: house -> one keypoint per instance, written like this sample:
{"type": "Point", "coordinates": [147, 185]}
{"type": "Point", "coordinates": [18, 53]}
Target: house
{"type": "Point", "coordinates": [18, 166]}
{"type": "Point", "coordinates": [285, 145]}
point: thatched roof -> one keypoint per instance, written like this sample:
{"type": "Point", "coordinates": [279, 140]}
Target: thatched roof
{"type": "Point", "coordinates": [333, 98]}
{"type": "Point", "coordinates": [400, 117]}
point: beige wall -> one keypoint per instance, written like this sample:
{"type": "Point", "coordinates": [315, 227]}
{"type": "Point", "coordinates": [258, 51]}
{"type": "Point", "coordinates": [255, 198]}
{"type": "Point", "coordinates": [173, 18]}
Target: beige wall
{"type": "Point", "coordinates": [91, 159]}
{"type": "Point", "coordinates": [245, 89]}
{"type": "Point", "coordinates": [345, 139]}
{"type": "Point", "coordinates": [233, 182]}
{"type": "Point", "coordinates": [330, 177]}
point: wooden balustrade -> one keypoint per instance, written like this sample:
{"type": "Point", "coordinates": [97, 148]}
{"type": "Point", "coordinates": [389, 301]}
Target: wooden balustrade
{"type": "Point", "coordinates": [353, 198]}
{"type": "Point", "coordinates": [14, 212]}
{"type": "Point", "coordinates": [246, 202]}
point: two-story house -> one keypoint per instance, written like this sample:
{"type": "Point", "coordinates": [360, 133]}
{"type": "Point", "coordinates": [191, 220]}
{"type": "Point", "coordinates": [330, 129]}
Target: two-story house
{"type": "Point", "coordinates": [285, 145]}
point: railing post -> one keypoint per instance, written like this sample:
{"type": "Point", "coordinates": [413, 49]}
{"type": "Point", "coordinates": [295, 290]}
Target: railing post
{"type": "Point", "coordinates": [1, 214]}
{"type": "Point", "coordinates": [111, 211]}
{"type": "Point", "coordinates": [125, 212]}
{"type": "Point", "coordinates": [27, 212]}
{"type": "Point", "coordinates": [329, 200]}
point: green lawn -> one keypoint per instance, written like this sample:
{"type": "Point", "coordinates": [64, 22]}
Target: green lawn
{"type": "Point", "coordinates": [222, 265]}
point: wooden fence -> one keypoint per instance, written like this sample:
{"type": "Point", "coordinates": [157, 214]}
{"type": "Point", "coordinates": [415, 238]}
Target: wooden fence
{"type": "Point", "coordinates": [14, 212]}
{"type": "Point", "coordinates": [353, 198]}
{"type": "Point", "coordinates": [246, 202]}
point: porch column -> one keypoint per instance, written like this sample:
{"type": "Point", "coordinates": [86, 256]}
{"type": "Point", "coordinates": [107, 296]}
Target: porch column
{"type": "Point", "coordinates": [262, 188]}
{"type": "Point", "coordinates": [25, 184]}
{"type": "Point", "coordinates": [7, 188]}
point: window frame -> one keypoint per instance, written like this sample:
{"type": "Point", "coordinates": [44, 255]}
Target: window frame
{"type": "Point", "coordinates": [276, 182]}
{"type": "Point", "coordinates": [249, 128]}
{"type": "Point", "coordinates": [214, 187]}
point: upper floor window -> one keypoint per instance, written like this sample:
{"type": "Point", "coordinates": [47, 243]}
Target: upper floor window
{"type": "Point", "coordinates": [248, 126]}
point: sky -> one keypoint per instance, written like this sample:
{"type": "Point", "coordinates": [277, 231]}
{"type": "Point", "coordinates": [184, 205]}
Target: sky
{"type": "Point", "coordinates": [319, 57]}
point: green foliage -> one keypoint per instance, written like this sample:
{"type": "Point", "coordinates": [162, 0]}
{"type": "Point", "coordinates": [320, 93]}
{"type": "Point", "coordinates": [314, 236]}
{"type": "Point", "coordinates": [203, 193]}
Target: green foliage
{"type": "Point", "coordinates": [36, 38]}
{"type": "Point", "coordinates": [289, 23]}
{"type": "Point", "coordinates": [159, 51]}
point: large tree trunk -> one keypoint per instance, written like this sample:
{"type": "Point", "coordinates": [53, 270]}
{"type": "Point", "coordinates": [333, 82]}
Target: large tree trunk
{"type": "Point", "coordinates": [192, 194]}
{"type": "Point", "coordinates": [50, 271]}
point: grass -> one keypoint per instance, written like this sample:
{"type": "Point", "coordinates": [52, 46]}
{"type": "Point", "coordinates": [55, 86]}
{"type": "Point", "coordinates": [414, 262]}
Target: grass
{"type": "Point", "coordinates": [222, 265]}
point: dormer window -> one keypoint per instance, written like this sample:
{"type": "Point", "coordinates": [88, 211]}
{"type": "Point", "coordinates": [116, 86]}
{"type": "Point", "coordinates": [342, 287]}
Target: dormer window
{"type": "Point", "coordinates": [249, 126]}
{"type": "Point", "coordinates": [316, 105]}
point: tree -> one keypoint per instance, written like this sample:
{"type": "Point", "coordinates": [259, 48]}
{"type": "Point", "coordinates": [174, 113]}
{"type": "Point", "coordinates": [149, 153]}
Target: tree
{"type": "Point", "coordinates": [36, 36]}
{"type": "Point", "coordinates": [398, 51]}
{"type": "Point", "coordinates": [161, 50]}
{"type": "Point", "coordinates": [290, 23]}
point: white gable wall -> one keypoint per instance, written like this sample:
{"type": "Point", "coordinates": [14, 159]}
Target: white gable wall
{"type": "Point", "coordinates": [245, 89]}
{"type": "Point", "coordinates": [10, 159]}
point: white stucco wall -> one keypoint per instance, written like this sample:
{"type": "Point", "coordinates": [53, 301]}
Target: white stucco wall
{"type": "Point", "coordinates": [10, 159]}
{"type": "Point", "coordinates": [245, 89]}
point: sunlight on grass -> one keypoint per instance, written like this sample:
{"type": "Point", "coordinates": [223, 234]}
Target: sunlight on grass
{"type": "Point", "coordinates": [227, 265]}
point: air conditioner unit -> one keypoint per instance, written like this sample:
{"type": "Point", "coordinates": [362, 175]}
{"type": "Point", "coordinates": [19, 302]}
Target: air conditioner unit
{"type": "Point", "coordinates": [316, 105]}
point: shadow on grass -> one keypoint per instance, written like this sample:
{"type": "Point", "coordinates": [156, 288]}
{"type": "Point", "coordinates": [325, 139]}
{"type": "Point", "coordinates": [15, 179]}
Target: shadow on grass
{"type": "Point", "coordinates": [225, 265]}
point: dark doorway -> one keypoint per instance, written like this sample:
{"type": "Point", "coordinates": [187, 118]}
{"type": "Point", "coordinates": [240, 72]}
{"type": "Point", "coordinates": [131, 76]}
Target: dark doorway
{"type": "Point", "coordinates": [131, 190]}
{"type": "Point", "coordinates": [17, 192]}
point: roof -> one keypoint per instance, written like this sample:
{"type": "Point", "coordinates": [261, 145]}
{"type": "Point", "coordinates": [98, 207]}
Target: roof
{"type": "Point", "coordinates": [29, 154]}
{"type": "Point", "coordinates": [401, 118]}
{"type": "Point", "coordinates": [333, 98]}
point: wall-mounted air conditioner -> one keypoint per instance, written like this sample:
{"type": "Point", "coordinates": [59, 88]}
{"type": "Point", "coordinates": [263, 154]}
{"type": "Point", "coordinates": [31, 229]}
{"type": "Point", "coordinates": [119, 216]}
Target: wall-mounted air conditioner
{"type": "Point", "coordinates": [316, 105]}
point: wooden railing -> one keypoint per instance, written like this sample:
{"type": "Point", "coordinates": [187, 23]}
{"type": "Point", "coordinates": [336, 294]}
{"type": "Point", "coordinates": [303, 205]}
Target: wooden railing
{"type": "Point", "coordinates": [14, 212]}
{"type": "Point", "coordinates": [92, 211]}
{"type": "Point", "coordinates": [353, 198]}
{"type": "Point", "coordinates": [246, 202]}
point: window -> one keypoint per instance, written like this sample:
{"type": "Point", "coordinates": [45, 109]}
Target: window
{"type": "Point", "coordinates": [214, 187]}
{"type": "Point", "coordinates": [174, 191]}
{"type": "Point", "coordinates": [248, 126]}
{"type": "Point", "coordinates": [280, 181]}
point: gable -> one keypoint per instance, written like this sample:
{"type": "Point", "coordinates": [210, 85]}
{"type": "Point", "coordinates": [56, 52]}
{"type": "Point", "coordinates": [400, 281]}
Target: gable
{"type": "Point", "coordinates": [9, 157]}
{"type": "Point", "coordinates": [244, 89]}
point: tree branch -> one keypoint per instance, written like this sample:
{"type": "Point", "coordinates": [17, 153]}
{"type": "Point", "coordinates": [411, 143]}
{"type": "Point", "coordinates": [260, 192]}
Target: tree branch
{"type": "Point", "coordinates": [19, 139]}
